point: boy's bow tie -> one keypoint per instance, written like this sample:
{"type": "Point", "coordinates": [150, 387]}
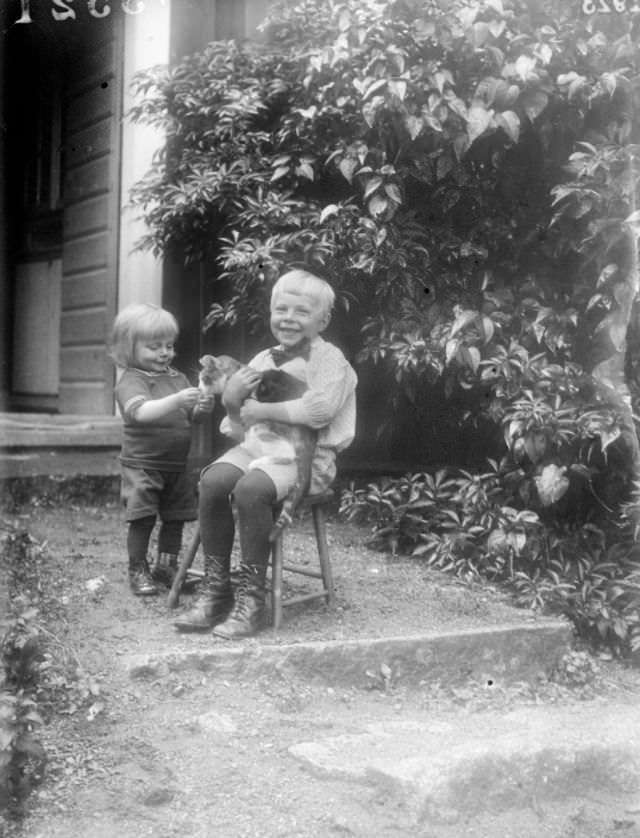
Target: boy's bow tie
{"type": "Point", "coordinates": [281, 355]}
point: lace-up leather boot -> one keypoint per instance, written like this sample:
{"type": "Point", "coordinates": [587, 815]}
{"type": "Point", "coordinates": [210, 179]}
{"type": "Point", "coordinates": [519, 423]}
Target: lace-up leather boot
{"type": "Point", "coordinates": [164, 569]}
{"type": "Point", "coordinates": [247, 614]}
{"type": "Point", "coordinates": [214, 600]}
{"type": "Point", "coordinates": [140, 580]}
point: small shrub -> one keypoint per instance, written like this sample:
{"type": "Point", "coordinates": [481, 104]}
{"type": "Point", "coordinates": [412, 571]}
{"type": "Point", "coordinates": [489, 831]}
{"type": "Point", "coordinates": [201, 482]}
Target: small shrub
{"type": "Point", "coordinates": [473, 526]}
{"type": "Point", "coordinates": [576, 669]}
{"type": "Point", "coordinates": [22, 756]}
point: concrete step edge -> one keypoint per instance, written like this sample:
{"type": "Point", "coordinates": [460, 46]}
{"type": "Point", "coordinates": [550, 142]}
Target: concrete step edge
{"type": "Point", "coordinates": [503, 654]}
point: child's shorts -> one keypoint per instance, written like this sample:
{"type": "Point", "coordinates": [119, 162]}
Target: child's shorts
{"type": "Point", "coordinates": [283, 475]}
{"type": "Point", "coordinates": [171, 494]}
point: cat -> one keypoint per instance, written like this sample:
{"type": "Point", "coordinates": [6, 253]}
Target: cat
{"type": "Point", "coordinates": [269, 442]}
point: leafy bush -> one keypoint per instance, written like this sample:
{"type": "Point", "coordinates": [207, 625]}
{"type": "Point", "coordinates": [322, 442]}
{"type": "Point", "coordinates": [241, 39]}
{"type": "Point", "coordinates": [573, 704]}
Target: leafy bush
{"type": "Point", "coordinates": [465, 173]}
{"type": "Point", "coordinates": [465, 524]}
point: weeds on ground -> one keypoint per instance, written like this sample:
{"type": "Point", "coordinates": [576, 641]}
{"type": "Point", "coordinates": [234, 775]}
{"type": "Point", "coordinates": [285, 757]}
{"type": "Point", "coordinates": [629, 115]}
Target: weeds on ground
{"type": "Point", "coordinates": [22, 756]}
{"type": "Point", "coordinates": [39, 674]}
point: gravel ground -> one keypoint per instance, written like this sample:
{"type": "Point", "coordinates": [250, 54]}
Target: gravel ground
{"type": "Point", "coordinates": [194, 756]}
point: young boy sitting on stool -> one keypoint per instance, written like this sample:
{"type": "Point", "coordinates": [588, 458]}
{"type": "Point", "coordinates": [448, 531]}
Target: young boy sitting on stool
{"type": "Point", "coordinates": [301, 305]}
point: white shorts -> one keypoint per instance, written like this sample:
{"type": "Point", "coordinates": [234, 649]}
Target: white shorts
{"type": "Point", "coordinates": [283, 475]}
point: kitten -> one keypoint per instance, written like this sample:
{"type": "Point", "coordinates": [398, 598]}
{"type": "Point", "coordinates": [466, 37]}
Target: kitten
{"type": "Point", "coordinates": [269, 442]}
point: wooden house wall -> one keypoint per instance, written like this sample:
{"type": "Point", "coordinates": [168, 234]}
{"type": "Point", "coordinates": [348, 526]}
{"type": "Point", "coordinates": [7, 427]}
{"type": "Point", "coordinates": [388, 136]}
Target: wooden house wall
{"type": "Point", "coordinates": [91, 142]}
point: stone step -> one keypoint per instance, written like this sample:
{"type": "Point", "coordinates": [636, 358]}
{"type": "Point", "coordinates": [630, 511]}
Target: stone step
{"type": "Point", "coordinates": [502, 654]}
{"type": "Point", "coordinates": [462, 767]}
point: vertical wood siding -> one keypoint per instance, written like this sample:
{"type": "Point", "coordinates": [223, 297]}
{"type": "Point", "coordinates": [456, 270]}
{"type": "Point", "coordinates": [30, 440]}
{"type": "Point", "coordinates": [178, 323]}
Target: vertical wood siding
{"type": "Point", "coordinates": [91, 142]}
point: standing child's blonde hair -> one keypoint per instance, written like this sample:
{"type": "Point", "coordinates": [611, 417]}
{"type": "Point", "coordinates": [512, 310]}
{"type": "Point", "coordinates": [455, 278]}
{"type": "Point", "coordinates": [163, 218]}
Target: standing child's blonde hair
{"type": "Point", "coordinates": [139, 321]}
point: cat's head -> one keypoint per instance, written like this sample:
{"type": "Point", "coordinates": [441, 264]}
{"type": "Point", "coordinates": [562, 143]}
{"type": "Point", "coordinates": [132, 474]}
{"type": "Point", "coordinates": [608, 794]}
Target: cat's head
{"type": "Point", "coordinates": [215, 372]}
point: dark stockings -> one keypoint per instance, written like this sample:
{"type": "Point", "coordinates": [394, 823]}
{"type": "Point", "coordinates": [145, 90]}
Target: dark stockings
{"type": "Point", "coordinates": [170, 537]}
{"type": "Point", "coordinates": [138, 540]}
{"type": "Point", "coordinates": [139, 535]}
{"type": "Point", "coordinates": [254, 494]}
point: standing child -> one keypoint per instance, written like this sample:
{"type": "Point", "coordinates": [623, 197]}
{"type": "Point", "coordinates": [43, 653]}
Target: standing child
{"type": "Point", "coordinates": [158, 406]}
{"type": "Point", "coordinates": [301, 305]}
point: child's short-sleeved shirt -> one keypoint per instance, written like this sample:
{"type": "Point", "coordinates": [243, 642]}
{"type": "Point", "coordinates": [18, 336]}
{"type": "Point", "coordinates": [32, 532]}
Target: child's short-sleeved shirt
{"type": "Point", "coordinates": [164, 443]}
{"type": "Point", "coordinates": [329, 404]}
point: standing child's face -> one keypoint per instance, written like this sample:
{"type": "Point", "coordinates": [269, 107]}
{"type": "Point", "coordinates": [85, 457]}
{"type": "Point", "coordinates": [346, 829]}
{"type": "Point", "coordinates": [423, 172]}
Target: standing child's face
{"type": "Point", "coordinates": [296, 317]}
{"type": "Point", "coordinates": [154, 354]}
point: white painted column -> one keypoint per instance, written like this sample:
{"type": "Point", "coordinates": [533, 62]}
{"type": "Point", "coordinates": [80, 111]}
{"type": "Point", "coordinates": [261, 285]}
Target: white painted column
{"type": "Point", "coordinates": [146, 43]}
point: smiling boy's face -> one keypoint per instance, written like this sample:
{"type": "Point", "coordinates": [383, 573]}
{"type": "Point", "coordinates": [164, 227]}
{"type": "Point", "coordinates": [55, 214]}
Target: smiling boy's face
{"type": "Point", "coordinates": [296, 318]}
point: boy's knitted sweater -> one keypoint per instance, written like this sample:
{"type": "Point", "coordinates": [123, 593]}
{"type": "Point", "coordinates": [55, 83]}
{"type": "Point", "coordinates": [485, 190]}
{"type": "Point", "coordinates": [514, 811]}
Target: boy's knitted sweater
{"type": "Point", "coordinates": [328, 405]}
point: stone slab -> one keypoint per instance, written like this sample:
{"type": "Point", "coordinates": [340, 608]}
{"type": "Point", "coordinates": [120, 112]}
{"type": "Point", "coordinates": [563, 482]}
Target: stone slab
{"type": "Point", "coordinates": [503, 654]}
{"type": "Point", "coordinates": [468, 764]}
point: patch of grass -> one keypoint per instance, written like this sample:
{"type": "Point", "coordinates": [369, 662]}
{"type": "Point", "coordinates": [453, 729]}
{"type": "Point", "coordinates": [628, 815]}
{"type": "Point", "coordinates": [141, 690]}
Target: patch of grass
{"type": "Point", "coordinates": [28, 492]}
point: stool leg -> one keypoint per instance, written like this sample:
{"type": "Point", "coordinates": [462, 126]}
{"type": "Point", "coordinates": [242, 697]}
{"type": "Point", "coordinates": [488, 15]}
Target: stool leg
{"type": "Point", "coordinates": [174, 593]}
{"type": "Point", "coordinates": [320, 528]}
{"type": "Point", "coordinates": [277, 559]}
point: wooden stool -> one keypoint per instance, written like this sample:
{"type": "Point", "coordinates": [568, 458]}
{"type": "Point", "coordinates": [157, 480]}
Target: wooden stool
{"type": "Point", "coordinates": [317, 504]}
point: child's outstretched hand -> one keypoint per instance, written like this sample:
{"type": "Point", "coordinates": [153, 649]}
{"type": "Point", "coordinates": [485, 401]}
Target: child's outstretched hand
{"type": "Point", "coordinates": [188, 397]}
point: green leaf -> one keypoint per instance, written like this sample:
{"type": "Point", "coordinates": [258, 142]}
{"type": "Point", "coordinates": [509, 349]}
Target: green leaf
{"type": "Point", "coordinates": [457, 106]}
{"type": "Point", "coordinates": [609, 82]}
{"type": "Point", "coordinates": [371, 186]}
{"type": "Point", "coordinates": [444, 165]}
{"type": "Point", "coordinates": [451, 349]}
{"type": "Point", "coordinates": [566, 78]}
{"type": "Point", "coordinates": [534, 102]}
{"type": "Point", "coordinates": [478, 120]}
{"type": "Point", "coordinates": [486, 90]}
{"type": "Point", "coordinates": [487, 327]}
{"type": "Point", "coordinates": [397, 88]}
{"type": "Point", "coordinates": [393, 192]}
{"type": "Point", "coordinates": [279, 173]}
{"type": "Point", "coordinates": [481, 32]}
{"type": "Point", "coordinates": [576, 86]}
{"type": "Point", "coordinates": [347, 166]}
{"type": "Point", "coordinates": [524, 66]}
{"type": "Point", "coordinates": [509, 121]}
{"type": "Point", "coordinates": [377, 85]}
{"type": "Point", "coordinates": [328, 211]}
{"type": "Point", "coordinates": [414, 125]}
{"type": "Point", "coordinates": [305, 170]}
{"type": "Point", "coordinates": [546, 53]}
{"type": "Point", "coordinates": [377, 205]}
{"type": "Point", "coordinates": [463, 319]}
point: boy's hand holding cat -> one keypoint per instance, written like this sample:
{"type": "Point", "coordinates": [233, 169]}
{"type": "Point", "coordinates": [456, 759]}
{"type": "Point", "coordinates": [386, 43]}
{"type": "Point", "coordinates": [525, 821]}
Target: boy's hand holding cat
{"type": "Point", "coordinates": [253, 411]}
{"type": "Point", "coordinates": [238, 387]}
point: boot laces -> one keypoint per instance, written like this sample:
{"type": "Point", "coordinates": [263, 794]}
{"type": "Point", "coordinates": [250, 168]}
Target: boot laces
{"type": "Point", "coordinates": [245, 598]}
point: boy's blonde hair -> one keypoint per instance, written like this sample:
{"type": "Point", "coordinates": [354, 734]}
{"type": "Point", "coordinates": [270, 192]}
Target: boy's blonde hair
{"type": "Point", "coordinates": [139, 321]}
{"type": "Point", "coordinates": [298, 281]}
